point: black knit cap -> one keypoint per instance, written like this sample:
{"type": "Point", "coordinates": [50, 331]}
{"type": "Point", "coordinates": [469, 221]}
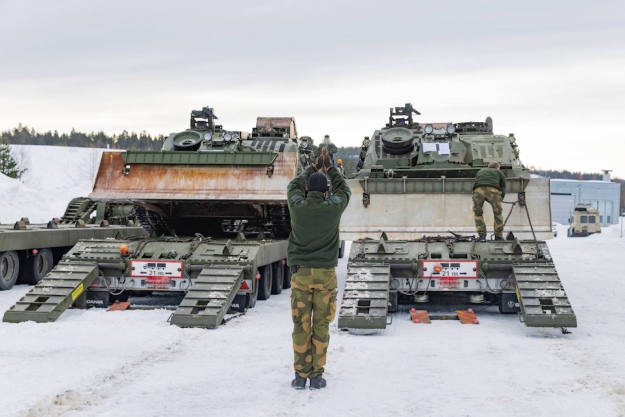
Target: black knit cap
{"type": "Point", "coordinates": [318, 182]}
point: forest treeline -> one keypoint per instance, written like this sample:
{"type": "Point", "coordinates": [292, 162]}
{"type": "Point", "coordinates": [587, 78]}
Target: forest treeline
{"type": "Point", "coordinates": [22, 135]}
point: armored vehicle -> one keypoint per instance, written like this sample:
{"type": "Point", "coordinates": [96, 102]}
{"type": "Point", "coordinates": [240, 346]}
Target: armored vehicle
{"type": "Point", "coordinates": [214, 203]}
{"type": "Point", "coordinates": [414, 234]}
{"type": "Point", "coordinates": [29, 251]}
{"type": "Point", "coordinates": [584, 221]}
{"type": "Point", "coordinates": [416, 179]}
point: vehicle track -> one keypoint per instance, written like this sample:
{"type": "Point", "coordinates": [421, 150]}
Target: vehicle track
{"type": "Point", "coordinates": [99, 390]}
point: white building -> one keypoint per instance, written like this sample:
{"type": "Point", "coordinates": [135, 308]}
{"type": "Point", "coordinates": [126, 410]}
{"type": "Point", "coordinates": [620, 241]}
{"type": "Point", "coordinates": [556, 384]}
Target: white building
{"type": "Point", "coordinates": [603, 195]}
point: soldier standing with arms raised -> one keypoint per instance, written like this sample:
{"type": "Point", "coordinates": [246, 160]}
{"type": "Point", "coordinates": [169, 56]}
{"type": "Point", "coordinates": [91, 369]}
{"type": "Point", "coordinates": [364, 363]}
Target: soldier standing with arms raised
{"type": "Point", "coordinates": [312, 256]}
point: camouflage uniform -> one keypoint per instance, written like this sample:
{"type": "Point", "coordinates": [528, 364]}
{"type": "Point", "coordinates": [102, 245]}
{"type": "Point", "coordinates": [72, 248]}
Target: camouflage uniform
{"type": "Point", "coordinates": [313, 307]}
{"type": "Point", "coordinates": [314, 248]}
{"type": "Point", "coordinates": [493, 196]}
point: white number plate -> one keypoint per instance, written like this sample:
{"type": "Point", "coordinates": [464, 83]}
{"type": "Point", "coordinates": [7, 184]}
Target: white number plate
{"type": "Point", "coordinates": [166, 269]}
{"type": "Point", "coordinates": [449, 268]}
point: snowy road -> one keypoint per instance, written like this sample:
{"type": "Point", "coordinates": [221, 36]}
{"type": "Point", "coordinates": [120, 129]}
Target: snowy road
{"type": "Point", "coordinates": [94, 363]}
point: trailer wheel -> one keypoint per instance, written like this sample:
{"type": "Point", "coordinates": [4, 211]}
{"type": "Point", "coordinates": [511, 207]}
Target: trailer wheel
{"type": "Point", "coordinates": [36, 267]}
{"type": "Point", "coordinates": [278, 278]}
{"type": "Point", "coordinates": [251, 297]}
{"type": "Point", "coordinates": [9, 269]}
{"type": "Point", "coordinates": [286, 280]}
{"type": "Point", "coordinates": [265, 282]}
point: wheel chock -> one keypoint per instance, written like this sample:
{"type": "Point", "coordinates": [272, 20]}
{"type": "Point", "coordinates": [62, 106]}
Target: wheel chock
{"type": "Point", "coordinates": [467, 317]}
{"type": "Point", "coordinates": [419, 316]}
{"type": "Point", "coordinates": [119, 306]}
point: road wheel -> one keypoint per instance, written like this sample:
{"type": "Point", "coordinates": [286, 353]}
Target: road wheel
{"type": "Point", "coordinates": [9, 269]}
{"type": "Point", "coordinates": [286, 279]}
{"type": "Point", "coordinates": [265, 282]}
{"type": "Point", "coordinates": [278, 277]}
{"type": "Point", "coordinates": [36, 267]}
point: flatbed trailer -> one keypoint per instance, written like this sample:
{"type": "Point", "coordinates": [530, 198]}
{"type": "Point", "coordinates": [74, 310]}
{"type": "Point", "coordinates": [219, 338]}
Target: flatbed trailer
{"type": "Point", "coordinates": [205, 181]}
{"type": "Point", "coordinates": [518, 276]}
{"type": "Point", "coordinates": [29, 251]}
{"type": "Point", "coordinates": [217, 275]}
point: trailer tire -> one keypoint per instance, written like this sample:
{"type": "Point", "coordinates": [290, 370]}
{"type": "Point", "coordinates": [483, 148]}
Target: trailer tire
{"type": "Point", "coordinates": [252, 297]}
{"type": "Point", "coordinates": [265, 282]}
{"type": "Point", "coordinates": [278, 278]}
{"type": "Point", "coordinates": [9, 269]}
{"type": "Point", "coordinates": [286, 279]}
{"type": "Point", "coordinates": [36, 267]}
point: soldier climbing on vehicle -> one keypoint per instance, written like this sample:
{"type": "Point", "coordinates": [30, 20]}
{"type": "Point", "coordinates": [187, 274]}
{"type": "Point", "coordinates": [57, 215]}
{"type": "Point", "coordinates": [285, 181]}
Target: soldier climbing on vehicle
{"type": "Point", "coordinates": [490, 185]}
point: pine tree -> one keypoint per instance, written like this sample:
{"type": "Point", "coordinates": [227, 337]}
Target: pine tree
{"type": "Point", "coordinates": [8, 164]}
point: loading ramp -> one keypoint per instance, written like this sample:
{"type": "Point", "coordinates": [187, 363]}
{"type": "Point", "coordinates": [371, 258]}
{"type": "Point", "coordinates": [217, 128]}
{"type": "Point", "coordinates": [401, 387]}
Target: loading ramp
{"type": "Point", "coordinates": [365, 298]}
{"type": "Point", "coordinates": [541, 296]}
{"type": "Point", "coordinates": [54, 294]}
{"type": "Point", "coordinates": [209, 297]}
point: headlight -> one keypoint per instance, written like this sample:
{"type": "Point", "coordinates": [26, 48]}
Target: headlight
{"type": "Point", "coordinates": [304, 144]}
{"type": "Point", "coordinates": [207, 137]}
{"type": "Point", "coordinates": [451, 128]}
{"type": "Point", "coordinates": [429, 129]}
{"type": "Point", "coordinates": [227, 137]}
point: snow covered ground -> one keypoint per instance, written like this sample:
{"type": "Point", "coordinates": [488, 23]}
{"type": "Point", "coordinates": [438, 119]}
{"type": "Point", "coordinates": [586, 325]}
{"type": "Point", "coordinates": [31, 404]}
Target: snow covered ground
{"type": "Point", "coordinates": [133, 363]}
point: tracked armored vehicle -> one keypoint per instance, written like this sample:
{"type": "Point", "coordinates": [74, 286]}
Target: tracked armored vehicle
{"type": "Point", "coordinates": [416, 179]}
{"type": "Point", "coordinates": [414, 234]}
{"type": "Point", "coordinates": [214, 202]}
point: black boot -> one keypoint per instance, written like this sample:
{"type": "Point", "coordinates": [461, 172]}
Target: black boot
{"type": "Point", "coordinates": [498, 237]}
{"type": "Point", "coordinates": [481, 238]}
{"type": "Point", "coordinates": [317, 382]}
{"type": "Point", "coordinates": [299, 382]}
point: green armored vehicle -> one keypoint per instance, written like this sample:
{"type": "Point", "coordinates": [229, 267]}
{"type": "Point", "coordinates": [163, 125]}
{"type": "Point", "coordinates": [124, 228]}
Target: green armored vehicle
{"type": "Point", "coordinates": [416, 179]}
{"type": "Point", "coordinates": [214, 202]}
{"type": "Point", "coordinates": [413, 229]}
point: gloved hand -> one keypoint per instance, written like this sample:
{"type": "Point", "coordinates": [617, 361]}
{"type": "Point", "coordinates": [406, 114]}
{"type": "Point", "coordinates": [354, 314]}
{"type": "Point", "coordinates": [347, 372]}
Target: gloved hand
{"type": "Point", "coordinates": [323, 162]}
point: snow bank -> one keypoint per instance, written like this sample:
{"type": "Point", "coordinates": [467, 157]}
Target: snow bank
{"type": "Point", "coordinates": [54, 175]}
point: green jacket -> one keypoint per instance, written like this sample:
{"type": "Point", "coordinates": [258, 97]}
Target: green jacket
{"type": "Point", "coordinates": [314, 239]}
{"type": "Point", "coordinates": [491, 177]}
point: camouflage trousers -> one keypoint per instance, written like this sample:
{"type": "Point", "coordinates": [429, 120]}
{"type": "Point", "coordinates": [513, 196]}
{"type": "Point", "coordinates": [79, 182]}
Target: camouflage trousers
{"type": "Point", "coordinates": [313, 306]}
{"type": "Point", "coordinates": [493, 196]}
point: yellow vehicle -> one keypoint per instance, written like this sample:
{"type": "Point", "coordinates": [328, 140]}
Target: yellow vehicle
{"type": "Point", "coordinates": [584, 221]}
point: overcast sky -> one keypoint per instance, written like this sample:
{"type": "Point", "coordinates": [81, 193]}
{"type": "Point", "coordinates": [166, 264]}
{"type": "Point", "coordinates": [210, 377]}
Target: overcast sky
{"type": "Point", "coordinates": [552, 72]}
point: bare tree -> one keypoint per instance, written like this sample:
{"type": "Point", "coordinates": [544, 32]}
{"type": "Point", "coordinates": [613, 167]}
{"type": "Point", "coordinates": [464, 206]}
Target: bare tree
{"type": "Point", "coordinates": [89, 165]}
